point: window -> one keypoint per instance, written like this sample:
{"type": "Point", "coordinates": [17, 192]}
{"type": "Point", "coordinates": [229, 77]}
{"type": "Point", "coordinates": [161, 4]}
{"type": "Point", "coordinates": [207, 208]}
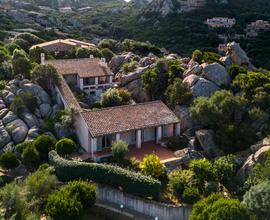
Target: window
{"type": "Point", "coordinates": [89, 81]}
{"type": "Point", "coordinates": [105, 142]}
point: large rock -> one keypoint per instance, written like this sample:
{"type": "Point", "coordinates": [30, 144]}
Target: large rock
{"type": "Point", "coordinates": [34, 132]}
{"type": "Point", "coordinates": [118, 60]}
{"type": "Point", "coordinates": [38, 92]}
{"type": "Point", "coordinates": [238, 55]}
{"type": "Point", "coordinates": [62, 130]}
{"type": "Point", "coordinates": [203, 87]}
{"type": "Point", "coordinates": [187, 154]}
{"type": "Point", "coordinates": [216, 73]}
{"type": "Point", "coordinates": [10, 116]}
{"type": "Point", "coordinates": [125, 79]}
{"type": "Point", "coordinates": [193, 69]}
{"type": "Point", "coordinates": [2, 106]}
{"type": "Point", "coordinates": [18, 130]}
{"type": "Point", "coordinates": [4, 136]}
{"type": "Point", "coordinates": [146, 61]}
{"type": "Point", "coordinates": [3, 112]}
{"type": "Point", "coordinates": [206, 140]}
{"type": "Point", "coordinates": [9, 98]}
{"type": "Point", "coordinates": [136, 88]}
{"type": "Point", "coordinates": [191, 80]}
{"type": "Point", "coordinates": [258, 157]}
{"type": "Point", "coordinates": [30, 119]}
{"type": "Point", "coordinates": [183, 114]}
{"type": "Point", "coordinates": [45, 110]}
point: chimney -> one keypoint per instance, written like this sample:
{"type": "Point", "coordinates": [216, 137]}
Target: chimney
{"type": "Point", "coordinates": [103, 60]}
{"type": "Point", "coordinates": [42, 59]}
{"type": "Point", "coordinates": [91, 56]}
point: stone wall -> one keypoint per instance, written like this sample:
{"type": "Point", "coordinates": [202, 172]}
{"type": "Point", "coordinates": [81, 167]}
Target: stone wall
{"type": "Point", "coordinates": [151, 208]}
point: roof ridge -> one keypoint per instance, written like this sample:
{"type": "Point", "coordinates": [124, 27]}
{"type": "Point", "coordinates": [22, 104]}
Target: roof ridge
{"type": "Point", "coordinates": [124, 106]}
{"type": "Point", "coordinates": [95, 58]}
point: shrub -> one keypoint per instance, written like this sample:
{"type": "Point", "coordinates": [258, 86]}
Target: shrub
{"type": "Point", "coordinates": [131, 182]}
{"type": "Point", "coordinates": [115, 97]}
{"type": "Point", "coordinates": [61, 205]}
{"type": "Point", "coordinates": [179, 180]}
{"type": "Point", "coordinates": [8, 160]}
{"type": "Point", "coordinates": [177, 143]}
{"type": "Point", "coordinates": [197, 56]}
{"type": "Point", "coordinates": [11, 47]}
{"type": "Point", "coordinates": [152, 166]}
{"type": "Point", "coordinates": [30, 157]}
{"type": "Point", "coordinates": [119, 150]}
{"type": "Point", "coordinates": [129, 67]}
{"type": "Point", "coordinates": [235, 70]}
{"type": "Point", "coordinates": [44, 144]}
{"type": "Point", "coordinates": [210, 187]}
{"type": "Point", "coordinates": [191, 195]}
{"type": "Point", "coordinates": [257, 200]}
{"type": "Point", "coordinates": [21, 64]}
{"type": "Point", "coordinates": [35, 53]}
{"type": "Point", "coordinates": [86, 52]}
{"type": "Point", "coordinates": [40, 184]}
{"type": "Point", "coordinates": [107, 54]}
{"type": "Point", "coordinates": [85, 192]}
{"type": "Point", "coordinates": [20, 147]}
{"type": "Point", "coordinates": [203, 169]}
{"type": "Point", "coordinates": [23, 101]}
{"type": "Point", "coordinates": [6, 71]}
{"type": "Point", "coordinates": [217, 207]}
{"type": "Point", "coordinates": [178, 94]}
{"type": "Point", "coordinates": [210, 57]}
{"type": "Point", "coordinates": [65, 146]}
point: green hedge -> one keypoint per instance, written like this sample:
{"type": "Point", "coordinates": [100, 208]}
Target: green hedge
{"type": "Point", "coordinates": [131, 182]}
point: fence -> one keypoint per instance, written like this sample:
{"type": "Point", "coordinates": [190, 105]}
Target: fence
{"type": "Point", "coordinates": [147, 207]}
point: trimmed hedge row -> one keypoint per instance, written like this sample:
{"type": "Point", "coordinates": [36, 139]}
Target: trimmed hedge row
{"type": "Point", "coordinates": [131, 182]}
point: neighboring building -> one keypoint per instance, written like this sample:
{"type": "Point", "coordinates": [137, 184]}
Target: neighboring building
{"type": "Point", "coordinates": [59, 46]}
{"type": "Point", "coordinates": [91, 75]}
{"type": "Point", "coordinates": [65, 9]}
{"type": "Point", "coordinates": [5, 7]}
{"type": "Point", "coordinates": [253, 28]}
{"type": "Point", "coordinates": [220, 22]}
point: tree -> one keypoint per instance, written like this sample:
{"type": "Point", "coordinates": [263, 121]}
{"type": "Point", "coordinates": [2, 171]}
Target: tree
{"type": "Point", "coordinates": [21, 63]}
{"type": "Point", "coordinates": [35, 53]}
{"type": "Point", "coordinates": [44, 144]}
{"type": "Point", "coordinates": [65, 146]}
{"type": "Point", "coordinates": [86, 52]}
{"type": "Point", "coordinates": [46, 76]}
{"type": "Point", "coordinates": [107, 54]}
{"type": "Point", "coordinates": [8, 160]}
{"type": "Point", "coordinates": [11, 47]}
{"type": "Point", "coordinates": [203, 170]}
{"type": "Point", "coordinates": [216, 206]}
{"type": "Point", "coordinates": [257, 200]}
{"type": "Point", "coordinates": [178, 94]}
{"type": "Point", "coordinates": [191, 195]}
{"type": "Point", "coordinates": [152, 166]}
{"type": "Point", "coordinates": [119, 150]}
{"type": "Point", "coordinates": [30, 157]}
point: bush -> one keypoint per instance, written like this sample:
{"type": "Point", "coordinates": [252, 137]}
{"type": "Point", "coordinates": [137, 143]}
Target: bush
{"type": "Point", "coordinates": [65, 146]}
{"type": "Point", "coordinates": [210, 187]}
{"type": "Point", "coordinates": [21, 64]}
{"type": "Point", "coordinates": [217, 207]}
{"type": "Point", "coordinates": [44, 144]}
{"type": "Point", "coordinates": [8, 160]}
{"type": "Point", "coordinates": [197, 56]}
{"type": "Point", "coordinates": [86, 52]}
{"type": "Point", "coordinates": [107, 54]}
{"type": "Point", "coordinates": [6, 71]}
{"type": "Point", "coordinates": [210, 57]}
{"type": "Point", "coordinates": [22, 102]}
{"type": "Point", "coordinates": [152, 166]}
{"type": "Point", "coordinates": [85, 192]}
{"type": "Point", "coordinates": [177, 143]}
{"type": "Point", "coordinates": [62, 206]}
{"type": "Point", "coordinates": [203, 169]}
{"type": "Point", "coordinates": [257, 200]}
{"type": "Point", "coordinates": [119, 150]}
{"type": "Point", "coordinates": [178, 94]}
{"type": "Point", "coordinates": [30, 157]}
{"type": "Point", "coordinates": [131, 182]}
{"type": "Point", "coordinates": [191, 195]}
{"type": "Point", "coordinates": [11, 47]}
{"type": "Point", "coordinates": [179, 180]}
{"type": "Point", "coordinates": [115, 97]}
{"type": "Point", "coordinates": [20, 147]}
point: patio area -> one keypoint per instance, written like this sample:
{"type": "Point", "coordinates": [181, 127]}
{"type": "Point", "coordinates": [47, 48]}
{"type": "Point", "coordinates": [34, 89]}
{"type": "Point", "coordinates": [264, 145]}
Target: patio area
{"type": "Point", "coordinates": [147, 148]}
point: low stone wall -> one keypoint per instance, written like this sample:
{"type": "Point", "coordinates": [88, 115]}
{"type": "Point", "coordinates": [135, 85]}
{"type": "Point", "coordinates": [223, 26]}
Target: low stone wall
{"type": "Point", "coordinates": [151, 208]}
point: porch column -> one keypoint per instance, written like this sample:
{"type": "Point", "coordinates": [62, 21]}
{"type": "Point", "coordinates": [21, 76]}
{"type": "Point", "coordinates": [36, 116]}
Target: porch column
{"type": "Point", "coordinates": [117, 137]}
{"type": "Point", "coordinates": [96, 80]}
{"type": "Point", "coordinates": [93, 143]}
{"type": "Point", "coordinates": [110, 79]}
{"type": "Point", "coordinates": [177, 129]}
{"type": "Point", "coordinates": [81, 83]}
{"type": "Point", "coordinates": [139, 139]}
{"type": "Point", "coordinates": [159, 134]}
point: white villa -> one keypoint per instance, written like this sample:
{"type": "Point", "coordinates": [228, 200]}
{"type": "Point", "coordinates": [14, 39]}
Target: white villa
{"type": "Point", "coordinates": [218, 22]}
{"type": "Point", "coordinates": [96, 130]}
{"type": "Point", "coordinates": [91, 75]}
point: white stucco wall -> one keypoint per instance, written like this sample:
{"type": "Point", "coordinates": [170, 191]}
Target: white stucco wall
{"type": "Point", "coordinates": [82, 132]}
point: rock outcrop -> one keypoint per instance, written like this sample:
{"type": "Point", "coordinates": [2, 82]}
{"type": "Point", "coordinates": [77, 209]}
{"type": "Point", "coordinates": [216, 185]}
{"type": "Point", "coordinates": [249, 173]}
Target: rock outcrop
{"type": "Point", "coordinates": [203, 87]}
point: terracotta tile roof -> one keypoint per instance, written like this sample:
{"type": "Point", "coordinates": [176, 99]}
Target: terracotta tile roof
{"type": "Point", "coordinates": [128, 117]}
{"type": "Point", "coordinates": [86, 67]}
{"type": "Point", "coordinates": [62, 45]}
{"type": "Point", "coordinates": [68, 96]}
